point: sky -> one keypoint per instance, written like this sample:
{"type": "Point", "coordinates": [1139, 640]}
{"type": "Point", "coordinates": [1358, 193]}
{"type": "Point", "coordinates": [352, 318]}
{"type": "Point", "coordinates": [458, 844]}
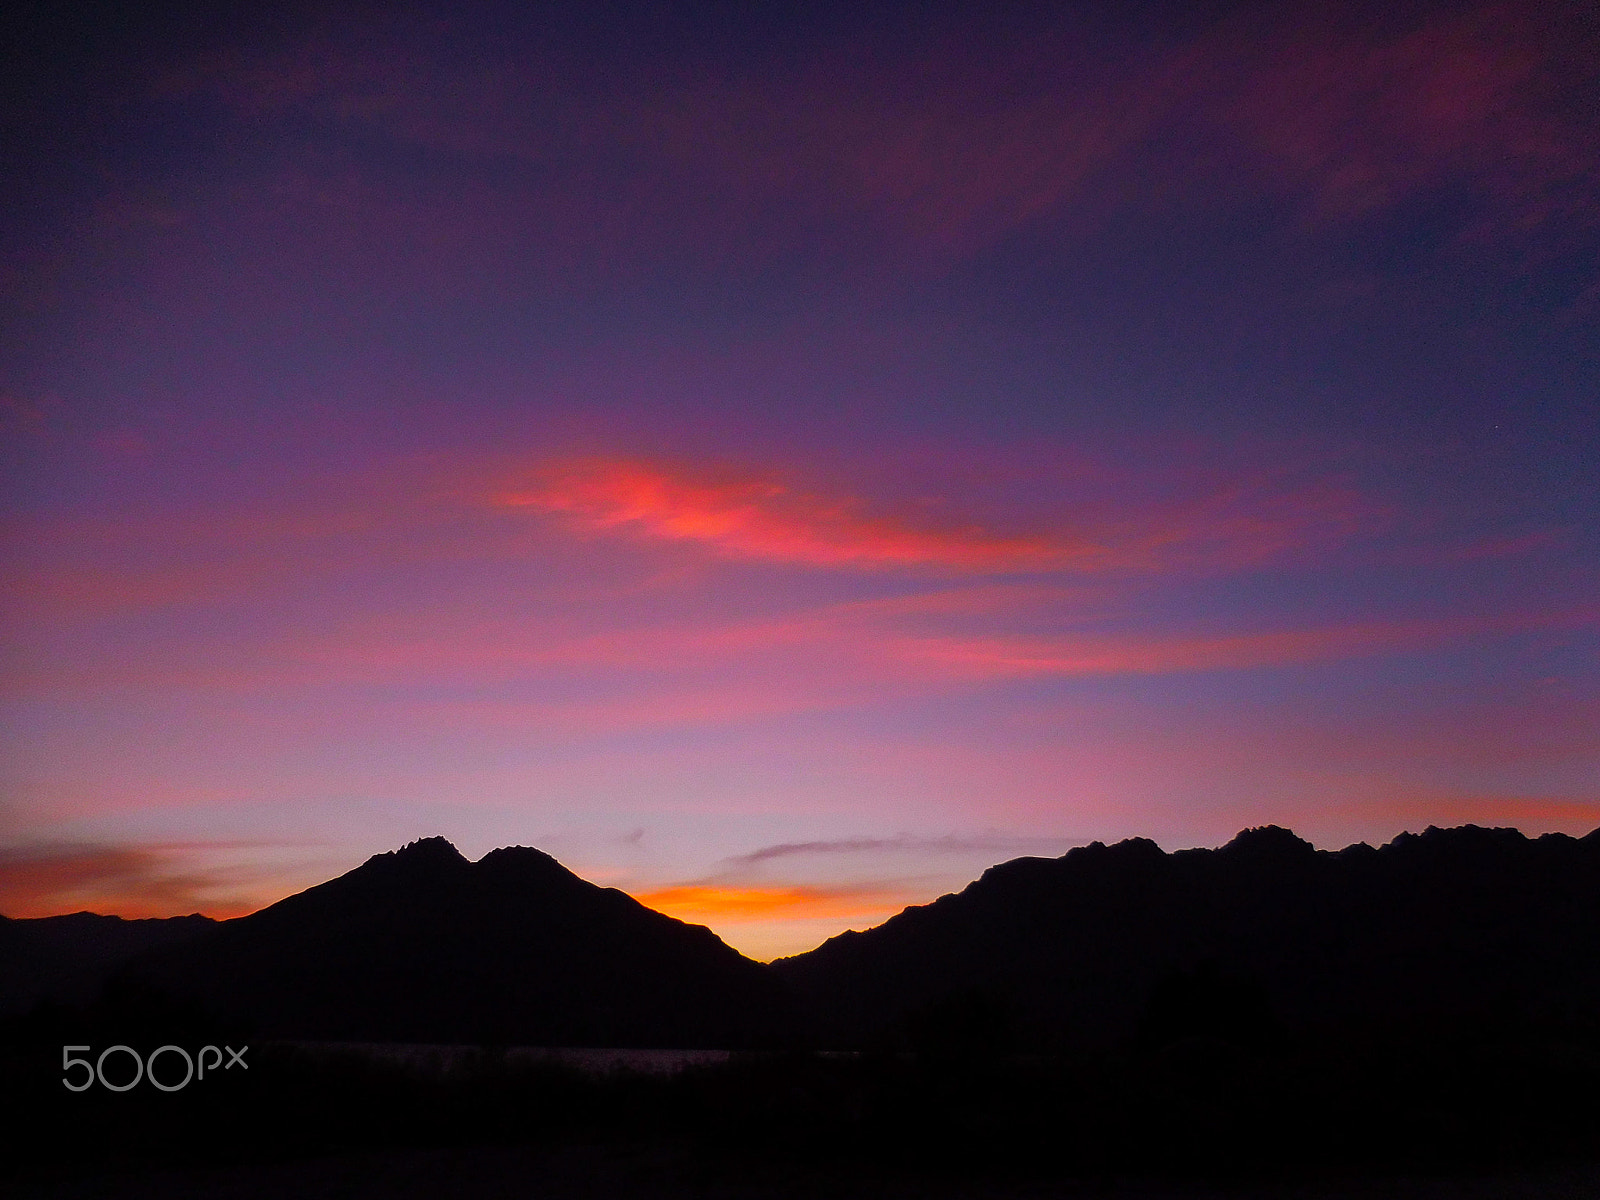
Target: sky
{"type": "Point", "coordinates": [785, 459]}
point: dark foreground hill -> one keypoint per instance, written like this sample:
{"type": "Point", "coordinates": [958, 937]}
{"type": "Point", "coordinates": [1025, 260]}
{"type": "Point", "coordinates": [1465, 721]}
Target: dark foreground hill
{"type": "Point", "coordinates": [67, 959]}
{"type": "Point", "coordinates": [421, 945]}
{"type": "Point", "coordinates": [1455, 931]}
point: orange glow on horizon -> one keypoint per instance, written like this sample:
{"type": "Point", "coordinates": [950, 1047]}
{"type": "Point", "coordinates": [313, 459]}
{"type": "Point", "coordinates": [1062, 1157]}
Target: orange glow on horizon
{"type": "Point", "coordinates": [705, 903]}
{"type": "Point", "coordinates": [123, 881]}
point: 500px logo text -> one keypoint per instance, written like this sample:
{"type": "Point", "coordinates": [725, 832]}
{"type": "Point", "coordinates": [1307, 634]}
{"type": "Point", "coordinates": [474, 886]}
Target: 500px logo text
{"type": "Point", "coordinates": [194, 1066]}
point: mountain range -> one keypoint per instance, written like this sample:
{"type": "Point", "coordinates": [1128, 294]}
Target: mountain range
{"type": "Point", "coordinates": [1462, 930]}
{"type": "Point", "coordinates": [1453, 929]}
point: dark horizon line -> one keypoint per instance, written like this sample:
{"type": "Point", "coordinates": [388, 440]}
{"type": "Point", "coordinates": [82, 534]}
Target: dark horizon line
{"type": "Point", "coordinates": [1268, 828]}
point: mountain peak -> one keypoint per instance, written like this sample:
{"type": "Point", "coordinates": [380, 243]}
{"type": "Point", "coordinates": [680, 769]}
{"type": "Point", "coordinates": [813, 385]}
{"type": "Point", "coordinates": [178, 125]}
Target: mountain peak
{"type": "Point", "coordinates": [421, 945]}
{"type": "Point", "coordinates": [524, 865]}
{"type": "Point", "coordinates": [424, 852]}
{"type": "Point", "coordinates": [521, 856]}
{"type": "Point", "coordinates": [435, 845]}
{"type": "Point", "coordinates": [1269, 841]}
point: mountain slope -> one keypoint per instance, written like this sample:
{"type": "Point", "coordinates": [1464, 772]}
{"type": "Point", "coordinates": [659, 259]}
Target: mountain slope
{"type": "Point", "coordinates": [420, 945]}
{"type": "Point", "coordinates": [1452, 929]}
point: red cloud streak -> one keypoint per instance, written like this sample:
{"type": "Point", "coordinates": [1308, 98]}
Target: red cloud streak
{"type": "Point", "coordinates": [755, 515]}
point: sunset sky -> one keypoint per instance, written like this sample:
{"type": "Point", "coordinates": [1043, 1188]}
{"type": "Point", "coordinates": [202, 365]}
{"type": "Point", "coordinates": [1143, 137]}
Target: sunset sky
{"type": "Point", "coordinates": [782, 460]}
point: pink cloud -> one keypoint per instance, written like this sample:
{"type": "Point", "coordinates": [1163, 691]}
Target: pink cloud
{"type": "Point", "coordinates": [1091, 654]}
{"type": "Point", "coordinates": [757, 515]}
{"type": "Point", "coordinates": [419, 518]}
{"type": "Point", "coordinates": [824, 654]}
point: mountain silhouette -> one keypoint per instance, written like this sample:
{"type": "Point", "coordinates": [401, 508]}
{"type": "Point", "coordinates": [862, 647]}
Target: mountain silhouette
{"type": "Point", "coordinates": [1262, 1007]}
{"type": "Point", "coordinates": [1465, 929]}
{"type": "Point", "coordinates": [421, 945]}
{"type": "Point", "coordinates": [67, 959]}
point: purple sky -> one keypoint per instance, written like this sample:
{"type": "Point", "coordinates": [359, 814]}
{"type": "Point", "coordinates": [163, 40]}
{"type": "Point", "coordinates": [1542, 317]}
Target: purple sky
{"type": "Point", "coordinates": [782, 463]}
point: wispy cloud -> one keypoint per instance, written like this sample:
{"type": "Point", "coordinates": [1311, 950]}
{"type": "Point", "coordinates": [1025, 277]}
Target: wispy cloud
{"type": "Point", "coordinates": [1359, 121]}
{"type": "Point", "coordinates": [753, 515]}
{"type": "Point", "coordinates": [787, 909]}
{"type": "Point", "coordinates": [905, 843]}
{"type": "Point", "coordinates": [1089, 654]}
{"type": "Point", "coordinates": [957, 138]}
{"type": "Point", "coordinates": [419, 517]}
{"type": "Point", "coordinates": [757, 515]}
{"type": "Point", "coordinates": [468, 667]}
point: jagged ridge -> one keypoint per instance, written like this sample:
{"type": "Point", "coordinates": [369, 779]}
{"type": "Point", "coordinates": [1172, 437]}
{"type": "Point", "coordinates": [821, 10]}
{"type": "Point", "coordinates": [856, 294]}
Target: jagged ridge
{"type": "Point", "coordinates": [1460, 927]}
